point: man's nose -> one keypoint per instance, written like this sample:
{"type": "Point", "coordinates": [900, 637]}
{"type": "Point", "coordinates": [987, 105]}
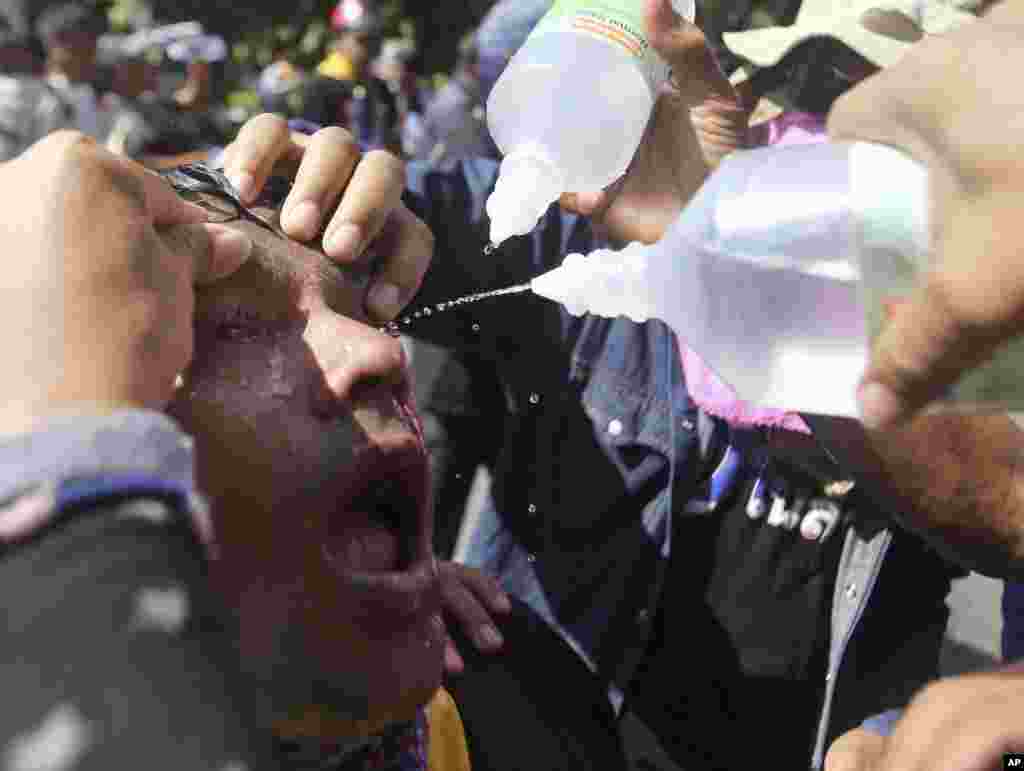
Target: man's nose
{"type": "Point", "coordinates": [359, 363]}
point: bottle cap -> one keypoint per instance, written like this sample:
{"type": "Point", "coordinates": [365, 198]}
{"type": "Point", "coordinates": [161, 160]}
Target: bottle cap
{"type": "Point", "coordinates": [528, 183]}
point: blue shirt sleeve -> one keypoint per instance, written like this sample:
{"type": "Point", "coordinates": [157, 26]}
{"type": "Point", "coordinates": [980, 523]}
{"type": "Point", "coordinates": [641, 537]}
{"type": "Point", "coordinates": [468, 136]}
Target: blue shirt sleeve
{"type": "Point", "coordinates": [80, 459]}
{"type": "Point", "coordinates": [884, 723]}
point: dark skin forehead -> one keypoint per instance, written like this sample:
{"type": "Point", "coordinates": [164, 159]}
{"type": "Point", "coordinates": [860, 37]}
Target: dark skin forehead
{"type": "Point", "coordinates": [284, 275]}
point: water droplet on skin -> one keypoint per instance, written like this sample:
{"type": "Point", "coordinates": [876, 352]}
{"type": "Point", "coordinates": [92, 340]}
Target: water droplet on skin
{"type": "Point", "coordinates": [534, 398]}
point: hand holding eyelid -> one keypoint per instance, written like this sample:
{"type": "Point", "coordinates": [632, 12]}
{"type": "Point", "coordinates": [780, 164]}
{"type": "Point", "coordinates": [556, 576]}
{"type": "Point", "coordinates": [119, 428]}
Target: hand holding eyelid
{"type": "Point", "coordinates": [362, 195]}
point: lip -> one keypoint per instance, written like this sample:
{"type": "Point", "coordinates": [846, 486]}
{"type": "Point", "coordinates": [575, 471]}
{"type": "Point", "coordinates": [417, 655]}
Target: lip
{"type": "Point", "coordinates": [411, 591]}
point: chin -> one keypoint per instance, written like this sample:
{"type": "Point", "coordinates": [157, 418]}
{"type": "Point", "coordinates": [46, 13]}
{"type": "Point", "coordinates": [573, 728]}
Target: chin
{"type": "Point", "coordinates": [400, 687]}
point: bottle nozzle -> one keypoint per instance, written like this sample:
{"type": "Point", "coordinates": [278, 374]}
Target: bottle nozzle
{"type": "Point", "coordinates": [564, 284]}
{"type": "Point", "coordinates": [527, 184]}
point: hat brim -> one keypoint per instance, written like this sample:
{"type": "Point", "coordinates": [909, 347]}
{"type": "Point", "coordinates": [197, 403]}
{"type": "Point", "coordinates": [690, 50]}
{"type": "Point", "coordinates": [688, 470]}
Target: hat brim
{"type": "Point", "coordinates": [766, 47]}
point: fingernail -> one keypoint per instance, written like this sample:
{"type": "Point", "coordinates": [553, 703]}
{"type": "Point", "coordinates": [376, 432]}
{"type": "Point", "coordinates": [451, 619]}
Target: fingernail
{"type": "Point", "coordinates": [383, 299]}
{"type": "Point", "coordinates": [490, 637]}
{"type": "Point", "coordinates": [245, 184]}
{"type": "Point", "coordinates": [344, 242]}
{"type": "Point", "coordinates": [230, 249]}
{"type": "Point", "coordinates": [304, 220]}
{"type": "Point", "coordinates": [879, 406]}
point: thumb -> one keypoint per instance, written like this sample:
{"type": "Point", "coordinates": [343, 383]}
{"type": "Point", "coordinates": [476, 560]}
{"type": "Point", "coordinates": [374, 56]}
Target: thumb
{"type": "Point", "coordinates": [684, 47]}
{"type": "Point", "coordinates": [921, 351]}
{"type": "Point", "coordinates": [216, 251]}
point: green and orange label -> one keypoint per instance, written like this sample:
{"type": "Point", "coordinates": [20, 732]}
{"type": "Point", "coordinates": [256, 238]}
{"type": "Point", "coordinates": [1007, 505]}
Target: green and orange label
{"type": "Point", "coordinates": [618, 22]}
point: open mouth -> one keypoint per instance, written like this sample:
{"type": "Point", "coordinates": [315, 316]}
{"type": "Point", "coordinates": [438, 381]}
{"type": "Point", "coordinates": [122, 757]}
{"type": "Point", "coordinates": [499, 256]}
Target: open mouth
{"type": "Point", "coordinates": [380, 527]}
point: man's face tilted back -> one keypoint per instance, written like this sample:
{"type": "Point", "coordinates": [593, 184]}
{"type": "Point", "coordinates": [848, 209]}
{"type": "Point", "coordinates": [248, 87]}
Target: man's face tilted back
{"type": "Point", "coordinates": [309, 449]}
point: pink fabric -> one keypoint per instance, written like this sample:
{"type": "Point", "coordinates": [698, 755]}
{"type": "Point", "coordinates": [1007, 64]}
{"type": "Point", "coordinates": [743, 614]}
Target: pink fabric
{"type": "Point", "coordinates": [789, 128]}
{"type": "Point", "coordinates": [718, 398]}
{"type": "Point", "coordinates": [709, 392]}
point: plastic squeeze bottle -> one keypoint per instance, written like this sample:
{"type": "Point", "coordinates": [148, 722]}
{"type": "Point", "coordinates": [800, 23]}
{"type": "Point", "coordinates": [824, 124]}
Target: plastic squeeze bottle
{"type": "Point", "coordinates": [778, 274]}
{"type": "Point", "coordinates": [570, 108]}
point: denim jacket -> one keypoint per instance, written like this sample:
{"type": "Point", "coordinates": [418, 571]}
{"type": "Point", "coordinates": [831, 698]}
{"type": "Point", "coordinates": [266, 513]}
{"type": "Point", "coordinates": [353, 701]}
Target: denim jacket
{"type": "Point", "coordinates": [605, 446]}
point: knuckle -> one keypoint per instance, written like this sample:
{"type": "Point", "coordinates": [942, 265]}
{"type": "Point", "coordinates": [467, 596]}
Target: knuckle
{"type": "Point", "coordinates": [70, 141]}
{"type": "Point", "coordinates": [71, 149]}
{"type": "Point", "coordinates": [386, 159]}
{"type": "Point", "coordinates": [337, 136]}
{"type": "Point", "coordinates": [262, 133]}
{"type": "Point", "coordinates": [939, 695]}
{"type": "Point", "coordinates": [270, 122]}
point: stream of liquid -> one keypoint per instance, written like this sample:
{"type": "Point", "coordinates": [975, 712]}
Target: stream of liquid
{"type": "Point", "coordinates": [395, 327]}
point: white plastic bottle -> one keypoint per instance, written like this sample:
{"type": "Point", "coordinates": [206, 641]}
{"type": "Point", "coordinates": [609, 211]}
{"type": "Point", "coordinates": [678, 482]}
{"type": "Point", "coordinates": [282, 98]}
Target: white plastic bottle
{"type": "Point", "coordinates": [570, 108]}
{"type": "Point", "coordinates": [778, 272]}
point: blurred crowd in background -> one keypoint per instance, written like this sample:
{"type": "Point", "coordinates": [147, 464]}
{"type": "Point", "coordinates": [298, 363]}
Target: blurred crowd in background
{"type": "Point", "coordinates": [152, 86]}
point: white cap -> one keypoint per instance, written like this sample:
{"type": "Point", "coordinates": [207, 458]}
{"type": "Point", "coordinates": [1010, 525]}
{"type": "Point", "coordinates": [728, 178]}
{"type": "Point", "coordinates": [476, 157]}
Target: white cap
{"type": "Point", "coordinates": [528, 183]}
{"type": "Point", "coordinates": [564, 284]}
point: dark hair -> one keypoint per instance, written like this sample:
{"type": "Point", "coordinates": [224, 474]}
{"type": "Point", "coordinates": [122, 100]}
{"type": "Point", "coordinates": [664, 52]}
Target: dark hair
{"type": "Point", "coordinates": [805, 75]}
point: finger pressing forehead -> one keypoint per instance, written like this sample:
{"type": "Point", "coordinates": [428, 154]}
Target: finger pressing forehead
{"type": "Point", "coordinates": [330, 157]}
{"type": "Point", "coordinates": [262, 144]}
{"type": "Point", "coordinates": [406, 248]}
{"type": "Point", "coordinates": [374, 191]}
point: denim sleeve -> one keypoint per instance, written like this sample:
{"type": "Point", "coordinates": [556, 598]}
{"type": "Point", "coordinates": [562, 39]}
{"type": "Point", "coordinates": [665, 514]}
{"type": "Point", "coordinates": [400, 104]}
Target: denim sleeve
{"type": "Point", "coordinates": [884, 723]}
{"type": "Point", "coordinates": [80, 459]}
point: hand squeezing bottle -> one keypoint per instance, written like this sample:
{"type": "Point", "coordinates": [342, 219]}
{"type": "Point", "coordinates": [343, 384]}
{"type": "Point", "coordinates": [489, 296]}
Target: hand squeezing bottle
{"type": "Point", "coordinates": [569, 111]}
{"type": "Point", "coordinates": [778, 274]}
